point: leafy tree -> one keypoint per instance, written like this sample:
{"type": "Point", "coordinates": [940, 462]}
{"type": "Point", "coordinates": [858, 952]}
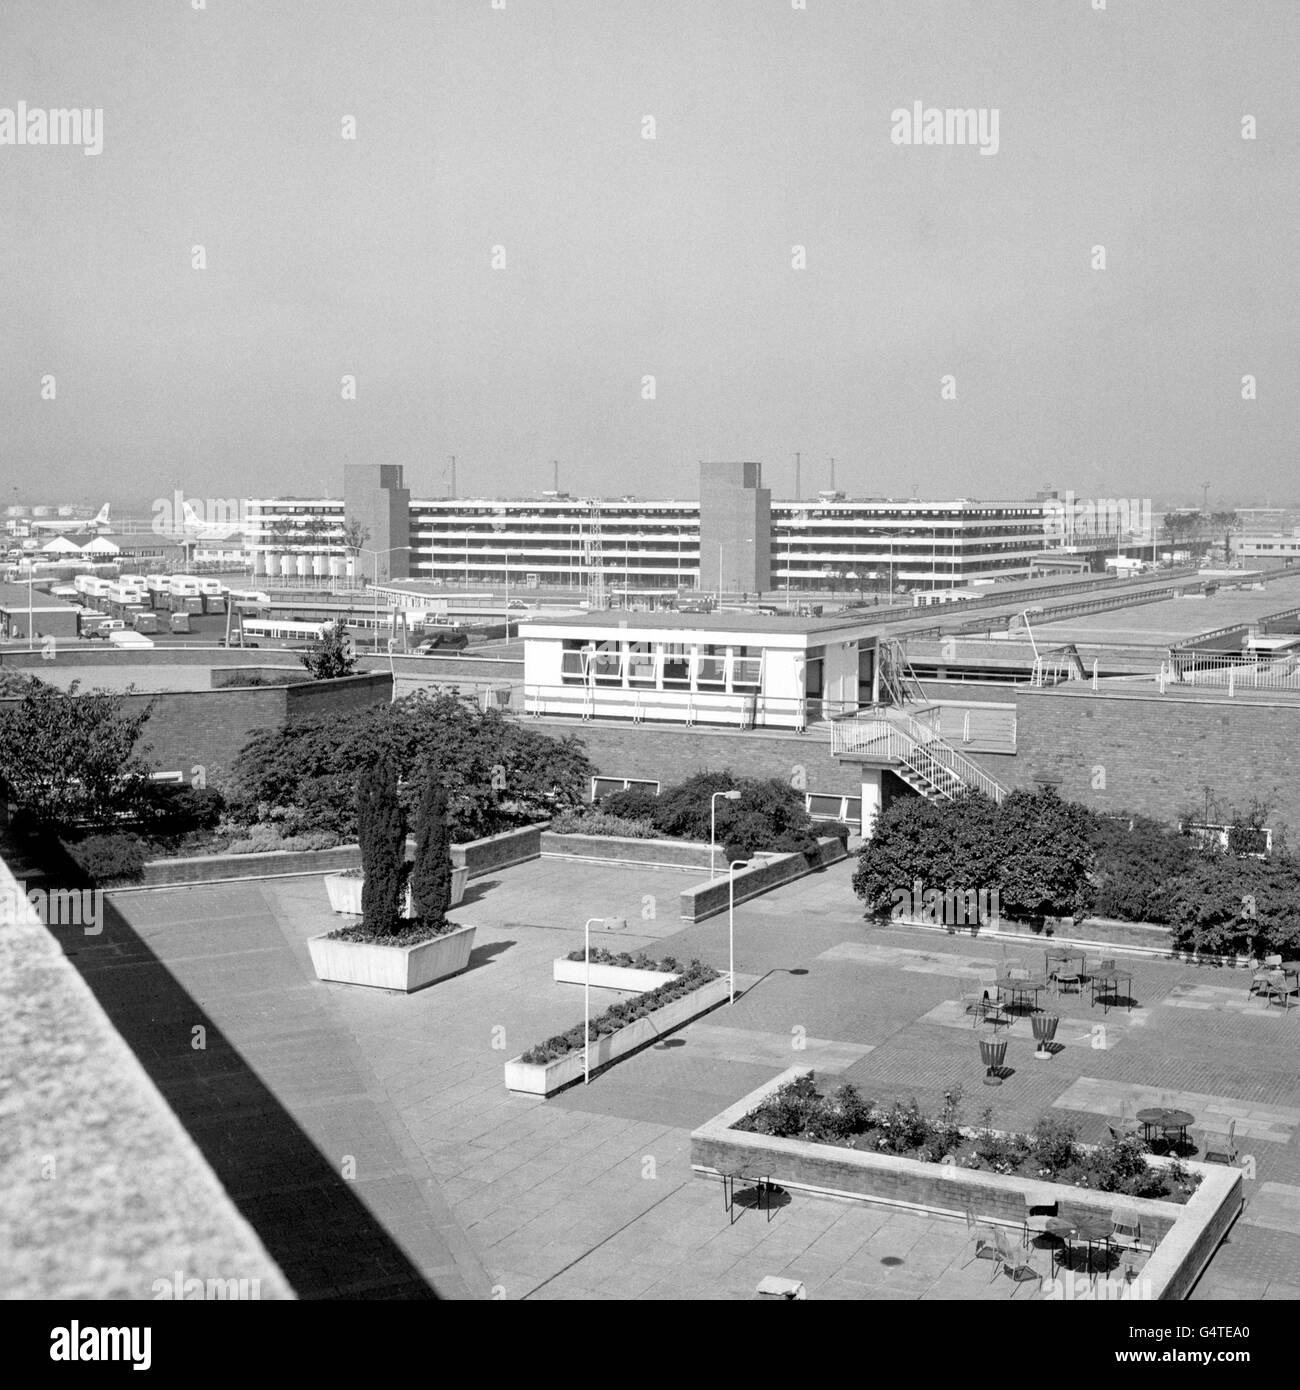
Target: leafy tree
{"type": "Point", "coordinates": [933, 845]}
{"type": "Point", "coordinates": [496, 772]}
{"type": "Point", "coordinates": [330, 655]}
{"type": "Point", "coordinates": [1033, 850]}
{"type": "Point", "coordinates": [431, 873]}
{"type": "Point", "coordinates": [68, 758]}
{"type": "Point", "coordinates": [1049, 857]}
{"type": "Point", "coordinates": [381, 830]}
{"type": "Point", "coordinates": [1137, 867]}
{"type": "Point", "coordinates": [355, 535]}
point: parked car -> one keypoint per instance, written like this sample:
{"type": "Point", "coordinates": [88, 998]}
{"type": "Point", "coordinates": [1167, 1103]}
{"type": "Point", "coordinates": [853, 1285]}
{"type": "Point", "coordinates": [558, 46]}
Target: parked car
{"type": "Point", "coordinates": [443, 642]}
{"type": "Point", "coordinates": [516, 603]}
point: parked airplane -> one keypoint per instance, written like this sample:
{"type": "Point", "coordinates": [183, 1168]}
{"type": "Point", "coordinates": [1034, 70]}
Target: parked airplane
{"type": "Point", "coordinates": [99, 523]}
{"type": "Point", "coordinates": [196, 529]}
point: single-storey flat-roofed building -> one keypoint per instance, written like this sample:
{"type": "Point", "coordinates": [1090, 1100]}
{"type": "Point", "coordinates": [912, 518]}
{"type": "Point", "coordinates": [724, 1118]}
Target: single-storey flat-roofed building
{"type": "Point", "coordinates": [742, 669]}
{"type": "Point", "coordinates": [29, 613]}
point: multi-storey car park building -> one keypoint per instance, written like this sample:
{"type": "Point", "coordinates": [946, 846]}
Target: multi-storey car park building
{"type": "Point", "coordinates": [734, 539]}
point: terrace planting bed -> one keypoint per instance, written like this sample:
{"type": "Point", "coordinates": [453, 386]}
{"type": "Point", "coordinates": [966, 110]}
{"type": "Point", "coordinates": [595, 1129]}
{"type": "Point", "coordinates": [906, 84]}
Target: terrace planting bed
{"type": "Point", "coordinates": [765, 872]}
{"type": "Point", "coordinates": [545, 1078]}
{"type": "Point", "coordinates": [477, 856]}
{"type": "Point", "coordinates": [623, 849]}
{"type": "Point", "coordinates": [625, 977]}
{"type": "Point", "coordinates": [401, 968]}
{"type": "Point", "coordinates": [1185, 1236]}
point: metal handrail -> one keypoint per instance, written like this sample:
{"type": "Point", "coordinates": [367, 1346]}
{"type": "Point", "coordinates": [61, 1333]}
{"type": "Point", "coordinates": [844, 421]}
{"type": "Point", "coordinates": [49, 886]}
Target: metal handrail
{"type": "Point", "coordinates": [896, 736]}
{"type": "Point", "coordinates": [944, 753]}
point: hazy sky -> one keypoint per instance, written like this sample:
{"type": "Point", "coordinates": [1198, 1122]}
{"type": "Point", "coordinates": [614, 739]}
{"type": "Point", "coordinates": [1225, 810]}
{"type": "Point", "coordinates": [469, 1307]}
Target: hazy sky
{"type": "Point", "coordinates": [626, 257]}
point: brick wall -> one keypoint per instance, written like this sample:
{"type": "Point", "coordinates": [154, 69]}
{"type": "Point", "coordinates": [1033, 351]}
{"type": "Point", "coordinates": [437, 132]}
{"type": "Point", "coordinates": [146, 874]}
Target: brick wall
{"type": "Point", "coordinates": [207, 728]}
{"type": "Point", "coordinates": [707, 899]}
{"type": "Point", "coordinates": [669, 754]}
{"type": "Point", "coordinates": [1154, 754]}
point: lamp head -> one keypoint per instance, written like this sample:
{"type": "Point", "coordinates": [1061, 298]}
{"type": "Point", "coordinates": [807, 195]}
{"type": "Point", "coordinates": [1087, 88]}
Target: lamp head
{"type": "Point", "coordinates": [732, 795]}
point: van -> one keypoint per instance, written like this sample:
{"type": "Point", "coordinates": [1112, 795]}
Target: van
{"type": "Point", "coordinates": [180, 622]}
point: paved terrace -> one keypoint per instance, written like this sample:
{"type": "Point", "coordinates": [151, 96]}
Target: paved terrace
{"type": "Point", "coordinates": [453, 1184]}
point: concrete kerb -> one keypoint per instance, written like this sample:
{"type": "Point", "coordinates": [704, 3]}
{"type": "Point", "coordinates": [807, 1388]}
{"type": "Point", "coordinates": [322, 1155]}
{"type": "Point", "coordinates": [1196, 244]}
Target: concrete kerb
{"type": "Point", "coordinates": [1190, 1233]}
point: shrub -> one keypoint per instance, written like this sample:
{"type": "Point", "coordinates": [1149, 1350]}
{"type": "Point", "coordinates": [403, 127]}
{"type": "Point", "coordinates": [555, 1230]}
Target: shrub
{"type": "Point", "coordinates": [497, 772]}
{"type": "Point", "coordinates": [381, 827]}
{"type": "Point", "coordinates": [634, 803]}
{"type": "Point", "coordinates": [641, 961]}
{"type": "Point", "coordinates": [902, 1128]}
{"type": "Point", "coordinates": [789, 1109]}
{"type": "Point", "coordinates": [112, 858]}
{"type": "Point", "coordinates": [431, 871]}
{"type": "Point", "coordinates": [945, 1135]}
{"type": "Point", "coordinates": [846, 1113]}
{"type": "Point", "coordinates": [580, 822]}
{"type": "Point", "coordinates": [261, 839]}
{"type": "Point", "coordinates": [564, 1043]}
{"type": "Point", "coordinates": [1055, 1143]}
{"type": "Point", "coordinates": [173, 810]}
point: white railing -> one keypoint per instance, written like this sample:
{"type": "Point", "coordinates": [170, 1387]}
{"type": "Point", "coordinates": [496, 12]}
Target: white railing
{"type": "Point", "coordinates": [894, 736]}
{"type": "Point", "coordinates": [1231, 673]}
{"type": "Point", "coordinates": [737, 708]}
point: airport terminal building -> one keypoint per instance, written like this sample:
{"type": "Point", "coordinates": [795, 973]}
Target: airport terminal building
{"type": "Point", "coordinates": [733, 539]}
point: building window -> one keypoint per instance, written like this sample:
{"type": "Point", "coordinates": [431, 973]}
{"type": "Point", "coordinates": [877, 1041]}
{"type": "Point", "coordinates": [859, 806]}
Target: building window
{"type": "Point", "coordinates": [677, 666]}
{"type": "Point", "coordinates": [602, 786]}
{"type": "Point", "coordinates": [573, 663]}
{"type": "Point", "coordinates": [607, 663]}
{"type": "Point", "coordinates": [833, 806]}
{"type": "Point", "coordinates": [713, 668]}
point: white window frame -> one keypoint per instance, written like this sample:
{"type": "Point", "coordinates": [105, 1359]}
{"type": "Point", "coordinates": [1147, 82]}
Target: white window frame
{"type": "Point", "coordinates": [628, 783]}
{"type": "Point", "coordinates": [843, 815]}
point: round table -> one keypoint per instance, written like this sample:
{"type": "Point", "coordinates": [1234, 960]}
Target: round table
{"type": "Point", "coordinates": [1014, 987]}
{"type": "Point", "coordinates": [1091, 1230]}
{"type": "Point", "coordinates": [1157, 1117]}
{"type": "Point", "coordinates": [1113, 978]}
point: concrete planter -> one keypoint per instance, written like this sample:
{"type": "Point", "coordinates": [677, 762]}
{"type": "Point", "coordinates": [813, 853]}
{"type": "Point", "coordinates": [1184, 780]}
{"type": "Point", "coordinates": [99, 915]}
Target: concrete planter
{"type": "Point", "coordinates": [401, 968]}
{"type": "Point", "coordinates": [545, 1078]}
{"type": "Point", "coordinates": [344, 891]}
{"type": "Point", "coordinates": [1185, 1236]}
{"type": "Point", "coordinates": [572, 972]}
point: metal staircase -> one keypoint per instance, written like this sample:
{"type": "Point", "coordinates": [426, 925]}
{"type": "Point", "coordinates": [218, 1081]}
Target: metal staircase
{"type": "Point", "coordinates": [914, 752]}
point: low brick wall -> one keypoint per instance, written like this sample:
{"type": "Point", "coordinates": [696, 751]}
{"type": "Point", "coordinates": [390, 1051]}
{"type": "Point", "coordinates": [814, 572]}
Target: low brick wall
{"type": "Point", "coordinates": [1187, 1235]}
{"type": "Point", "coordinates": [213, 868]}
{"type": "Point", "coordinates": [707, 899]}
{"type": "Point", "coordinates": [1093, 933]}
{"type": "Point", "coordinates": [481, 856]}
{"type": "Point", "coordinates": [622, 849]}
{"type": "Point", "coordinates": [499, 851]}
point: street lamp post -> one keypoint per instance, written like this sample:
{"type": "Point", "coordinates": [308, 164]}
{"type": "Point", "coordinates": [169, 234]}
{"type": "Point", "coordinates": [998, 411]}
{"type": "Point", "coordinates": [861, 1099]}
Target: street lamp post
{"type": "Point", "coordinates": [731, 927]}
{"type": "Point", "coordinates": [611, 924]}
{"type": "Point", "coordinates": [732, 795]}
{"type": "Point", "coordinates": [375, 554]}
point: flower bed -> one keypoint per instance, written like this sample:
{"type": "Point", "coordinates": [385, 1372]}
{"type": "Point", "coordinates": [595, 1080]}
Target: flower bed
{"type": "Point", "coordinates": [619, 1031]}
{"type": "Point", "coordinates": [1051, 1153]}
{"type": "Point", "coordinates": [639, 974]}
{"type": "Point", "coordinates": [1185, 1236]}
{"type": "Point", "coordinates": [618, 1015]}
{"type": "Point", "coordinates": [405, 962]}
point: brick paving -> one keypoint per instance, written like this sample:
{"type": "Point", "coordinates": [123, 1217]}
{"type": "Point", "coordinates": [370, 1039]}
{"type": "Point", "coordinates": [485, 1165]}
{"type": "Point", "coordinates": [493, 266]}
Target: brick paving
{"type": "Point", "coordinates": [469, 1189]}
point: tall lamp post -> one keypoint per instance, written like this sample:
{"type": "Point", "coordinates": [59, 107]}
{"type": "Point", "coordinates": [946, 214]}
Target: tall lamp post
{"type": "Point", "coordinates": [732, 795]}
{"type": "Point", "coordinates": [506, 557]}
{"type": "Point", "coordinates": [731, 927]}
{"type": "Point", "coordinates": [611, 924]}
{"type": "Point", "coordinates": [375, 554]}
